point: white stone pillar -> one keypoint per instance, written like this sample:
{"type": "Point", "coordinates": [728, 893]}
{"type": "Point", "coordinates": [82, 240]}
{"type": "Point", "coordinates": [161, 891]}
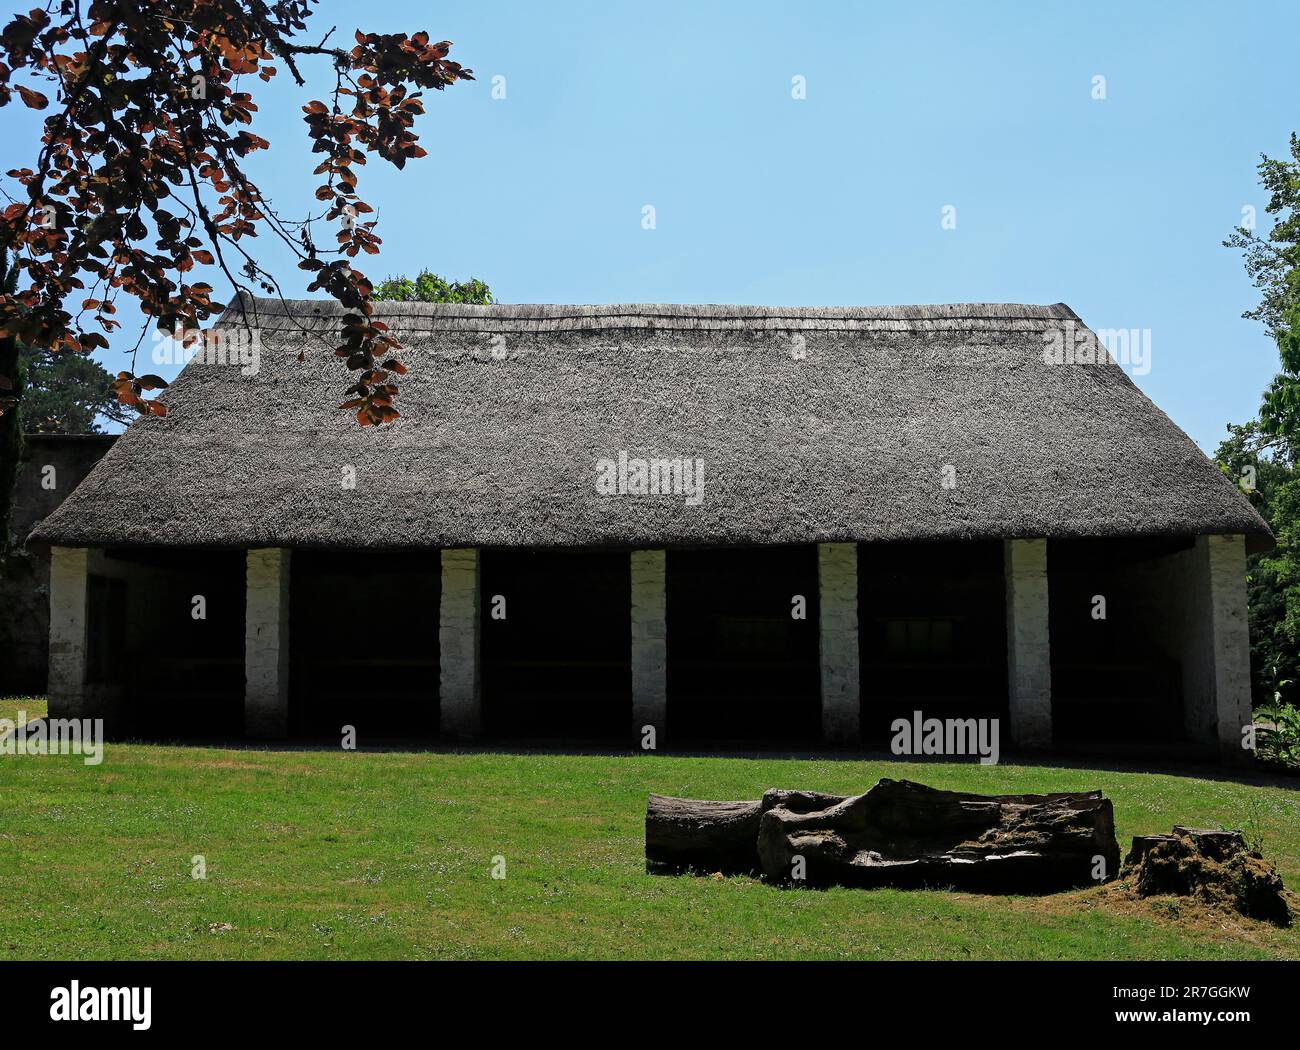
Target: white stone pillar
{"type": "Point", "coordinates": [460, 685]}
{"type": "Point", "coordinates": [1216, 662]}
{"type": "Point", "coordinates": [266, 642]}
{"type": "Point", "coordinates": [1029, 656]}
{"type": "Point", "coordinates": [68, 614]}
{"type": "Point", "coordinates": [649, 643]}
{"type": "Point", "coordinates": [837, 581]}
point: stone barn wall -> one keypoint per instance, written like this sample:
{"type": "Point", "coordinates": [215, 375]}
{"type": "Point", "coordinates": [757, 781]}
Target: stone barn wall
{"type": "Point", "coordinates": [53, 465]}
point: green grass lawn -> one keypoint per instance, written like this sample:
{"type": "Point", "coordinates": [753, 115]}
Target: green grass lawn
{"type": "Point", "coordinates": [321, 855]}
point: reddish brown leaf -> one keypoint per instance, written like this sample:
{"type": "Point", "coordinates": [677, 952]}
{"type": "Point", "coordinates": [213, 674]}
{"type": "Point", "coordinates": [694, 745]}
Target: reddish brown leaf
{"type": "Point", "coordinates": [33, 99]}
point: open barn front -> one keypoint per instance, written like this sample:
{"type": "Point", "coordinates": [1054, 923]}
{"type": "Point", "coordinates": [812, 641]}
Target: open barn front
{"type": "Point", "coordinates": [363, 643]}
{"type": "Point", "coordinates": [555, 641]}
{"type": "Point", "coordinates": [165, 640]}
{"type": "Point", "coordinates": [932, 633]}
{"type": "Point", "coordinates": [1119, 629]}
{"type": "Point", "coordinates": [743, 646]}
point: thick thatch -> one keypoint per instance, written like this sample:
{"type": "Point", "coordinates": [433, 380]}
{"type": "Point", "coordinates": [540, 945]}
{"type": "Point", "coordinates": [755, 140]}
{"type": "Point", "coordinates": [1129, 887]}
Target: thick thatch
{"type": "Point", "coordinates": [813, 425]}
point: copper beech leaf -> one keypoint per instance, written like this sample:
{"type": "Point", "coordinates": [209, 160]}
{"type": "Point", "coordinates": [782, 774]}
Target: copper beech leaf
{"type": "Point", "coordinates": [125, 138]}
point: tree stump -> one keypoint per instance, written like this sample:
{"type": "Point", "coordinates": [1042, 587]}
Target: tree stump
{"type": "Point", "coordinates": [1213, 866]}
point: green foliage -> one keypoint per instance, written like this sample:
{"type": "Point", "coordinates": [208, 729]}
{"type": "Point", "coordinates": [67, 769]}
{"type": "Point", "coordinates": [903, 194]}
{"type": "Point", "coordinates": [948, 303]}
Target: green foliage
{"type": "Point", "coordinates": [1273, 265]}
{"type": "Point", "coordinates": [66, 392]}
{"type": "Point", "coordinates": [1279, 415]}
{"type": "Point", "coordinates": [1273, 578]}
{"type": "Point", "coordinates": [1270, 445]}
{"type": "Point", "coordinates": [1252, 824]}
{"type": "Point", "coordinates": [1278, 743]}
{"type": "Point", "coordinates": [430, 288]}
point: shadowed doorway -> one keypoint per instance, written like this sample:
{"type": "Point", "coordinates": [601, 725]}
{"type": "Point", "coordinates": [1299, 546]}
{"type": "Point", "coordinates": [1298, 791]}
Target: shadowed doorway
{"type": "Point", "coordinates": [932, 632]}
{"type": "Point", "coordinates": [363, 638]}
{"type": "Point", "coordinates": [556, 644]}
{"type": "Point", "coordinates": [743, 661]}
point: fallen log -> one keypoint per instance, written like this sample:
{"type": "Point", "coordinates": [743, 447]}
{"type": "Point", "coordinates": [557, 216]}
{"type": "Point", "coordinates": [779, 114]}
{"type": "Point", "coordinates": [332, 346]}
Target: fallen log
{"type": "Point", "coordinates": [692, 834]}
{"type": "Point", "coordinates": [683, 834]}
{"type": "Point", "coordinates": [908, 835]}
{"type": "Point", "coordinates": [896, 834]}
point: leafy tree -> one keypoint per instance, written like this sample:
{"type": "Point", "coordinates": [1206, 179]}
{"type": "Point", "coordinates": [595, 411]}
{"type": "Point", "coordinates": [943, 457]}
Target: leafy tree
{"type": "Point", "coordinates": [1273, 578]}
{"type": "Point", "coordinates": [1269, 447]}
{"type": "Point", "coordinates": [67, 393]}
{"type": "Point", "coordinates": [430, 288]}
{"type": "Point", "coordinates": [140, 175]}
{"type": "Point", "coordinates": [1273, 263]}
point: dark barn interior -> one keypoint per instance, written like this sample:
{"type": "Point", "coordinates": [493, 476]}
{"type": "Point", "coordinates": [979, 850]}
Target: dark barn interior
{"type": "Point", "coordinates": [740, 666]}
{"type": "Point", "coordinates": [556, 644]}
{"type": "Point", "coordinates": [1113, 682]}
{"type": "Point", "coordinates": [363, 641]}
{"type": "Point", "coordinates": [932, 633]}
{"type": "Point", "coordinates": [177, 675]}
{"type": "Point", "coordinates": [555, 641]}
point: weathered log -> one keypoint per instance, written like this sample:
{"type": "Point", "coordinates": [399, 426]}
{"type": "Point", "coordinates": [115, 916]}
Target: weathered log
{"type": "Point", "coordinates": [799, 801]}
{"type": "Point", "coordinates": [897, 834]}
{"type": "Point", "coordinates": [683, 833]}
{"type": "Point", "coordinates": [909, 835]}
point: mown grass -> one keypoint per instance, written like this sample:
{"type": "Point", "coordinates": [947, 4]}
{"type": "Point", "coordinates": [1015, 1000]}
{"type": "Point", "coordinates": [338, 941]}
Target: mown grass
{"type": "Point", "coordinates": [320, 855]}
{"type": "Point", "coordinates": [28, 707]}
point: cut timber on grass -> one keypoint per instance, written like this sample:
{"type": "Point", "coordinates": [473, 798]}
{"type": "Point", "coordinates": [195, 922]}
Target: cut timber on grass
{"type": "Point", "coordinates": [683, 834]}
{"type": "Point", "coordinates": [897, 834]}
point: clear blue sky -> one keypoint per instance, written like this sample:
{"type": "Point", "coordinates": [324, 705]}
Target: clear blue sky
{"type": "Point", "coordinates": [1116, 207]}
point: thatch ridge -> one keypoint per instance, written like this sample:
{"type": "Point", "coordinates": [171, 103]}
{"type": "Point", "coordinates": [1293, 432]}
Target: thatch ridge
{"type": "Point", "coordinates": [419, 316]}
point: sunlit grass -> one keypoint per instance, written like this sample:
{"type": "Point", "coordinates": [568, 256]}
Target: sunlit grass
{"type": "Point", "coordinates": [315, 854]}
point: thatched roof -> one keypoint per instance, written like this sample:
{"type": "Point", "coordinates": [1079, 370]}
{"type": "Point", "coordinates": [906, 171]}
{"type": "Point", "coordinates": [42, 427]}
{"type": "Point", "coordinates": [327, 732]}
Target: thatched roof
{"type": "Point", "coordinates": [814, 424]}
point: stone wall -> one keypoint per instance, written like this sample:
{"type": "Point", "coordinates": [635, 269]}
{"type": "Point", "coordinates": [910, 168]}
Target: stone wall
{"type": "Point", "coordinates": [460, 687]}
{"type": "Point", "coordinates": [1029, 661]}
{"type": "Point", "coordinates": [266, 642]}
{"type": "Point", "coordinates": [837, 576]}
{"type": "Point", "coordinates": [649, 643]}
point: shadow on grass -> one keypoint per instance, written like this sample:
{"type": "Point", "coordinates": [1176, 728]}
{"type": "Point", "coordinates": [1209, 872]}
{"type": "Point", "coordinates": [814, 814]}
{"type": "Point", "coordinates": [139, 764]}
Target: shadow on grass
{"type": "Point", "coordinates": [1184, 762]}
